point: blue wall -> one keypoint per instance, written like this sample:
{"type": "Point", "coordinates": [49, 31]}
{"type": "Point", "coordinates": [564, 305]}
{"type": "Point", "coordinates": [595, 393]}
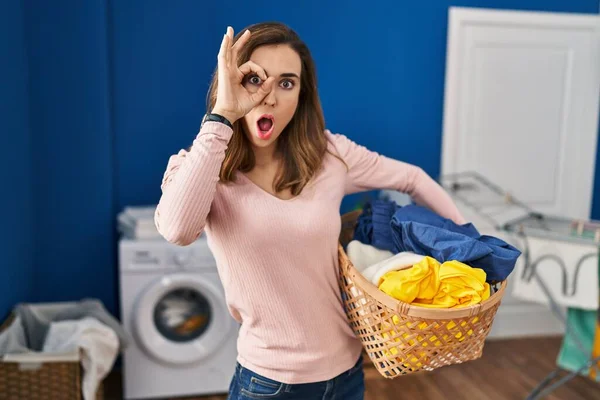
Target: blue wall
{"type": "Point", "coordinates": [117, 88]}
{"type": "Point", "coordinates": [16, 235]}
{"type": "Point", "coordinates": [72, 147]}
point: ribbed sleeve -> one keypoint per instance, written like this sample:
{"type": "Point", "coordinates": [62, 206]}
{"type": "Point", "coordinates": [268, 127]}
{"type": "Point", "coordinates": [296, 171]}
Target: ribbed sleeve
{"type": "Point", "coordinates": [189, 185]}
{"type": "Point", "coordinates": [369, 170]}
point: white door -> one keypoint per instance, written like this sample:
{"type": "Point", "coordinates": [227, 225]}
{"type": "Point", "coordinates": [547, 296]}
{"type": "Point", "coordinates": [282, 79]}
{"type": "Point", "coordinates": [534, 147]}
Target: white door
{"type": "Point", "coordinates": [521, 108]}
{"type": "Point", "coordinates": [521, 104]}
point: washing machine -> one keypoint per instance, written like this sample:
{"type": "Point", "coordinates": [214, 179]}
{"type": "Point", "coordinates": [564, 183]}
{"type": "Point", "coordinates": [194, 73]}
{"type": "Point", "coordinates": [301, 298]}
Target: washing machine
{"type": "Point", "coordinates": [173, 305]}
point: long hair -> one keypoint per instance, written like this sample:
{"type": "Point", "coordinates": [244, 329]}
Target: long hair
{"type": "Point", "coordinates": [302, 144]}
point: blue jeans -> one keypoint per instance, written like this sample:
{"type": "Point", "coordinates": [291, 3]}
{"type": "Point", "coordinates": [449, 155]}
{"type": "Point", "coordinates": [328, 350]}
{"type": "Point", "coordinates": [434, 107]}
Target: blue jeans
{"type": "Point", "coordinates": [349, 385]}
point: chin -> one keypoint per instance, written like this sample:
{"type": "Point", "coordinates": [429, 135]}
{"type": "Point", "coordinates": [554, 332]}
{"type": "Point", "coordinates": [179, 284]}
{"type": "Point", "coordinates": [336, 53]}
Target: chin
{"type": "Point", "coordinates": [262, 142]}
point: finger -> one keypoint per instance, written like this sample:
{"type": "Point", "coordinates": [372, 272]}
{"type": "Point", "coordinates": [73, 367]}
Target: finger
{"type": "Point", "coordinates": [250, 66]}
{"type": "Point", "coordinates": [239, 44]}
{"type": "Point", "coordinates": [223, 49]}
{"type": "Point", "coordinates": [263, 91]}
{"type": "Point", "coordinates": [230, 59]}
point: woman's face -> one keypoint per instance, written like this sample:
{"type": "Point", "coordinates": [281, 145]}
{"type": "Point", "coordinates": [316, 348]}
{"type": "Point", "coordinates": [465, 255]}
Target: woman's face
{"type": "Point", "coordinates": [265, 122]}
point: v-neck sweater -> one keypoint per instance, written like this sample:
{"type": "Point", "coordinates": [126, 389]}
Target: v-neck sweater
{"type": "Point", "coordinates": [278, 259]}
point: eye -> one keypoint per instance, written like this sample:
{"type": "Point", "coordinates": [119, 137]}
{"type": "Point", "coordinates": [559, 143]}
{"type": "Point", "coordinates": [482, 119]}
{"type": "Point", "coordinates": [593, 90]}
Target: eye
{"type": "Point", "coordinates": [254, 80]}
{"type": "Point", "coordinates": [287, 84]}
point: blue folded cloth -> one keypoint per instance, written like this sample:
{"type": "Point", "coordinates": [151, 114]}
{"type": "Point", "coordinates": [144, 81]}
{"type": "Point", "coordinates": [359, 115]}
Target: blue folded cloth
{"type": "Point", "coordinates": [373, 225]}
{"type": "Point", "coordinates": [388, 226]}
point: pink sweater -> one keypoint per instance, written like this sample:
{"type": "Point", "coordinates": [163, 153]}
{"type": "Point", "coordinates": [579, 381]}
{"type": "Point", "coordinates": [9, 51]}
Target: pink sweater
{"type": "Point", "coordinates": [277, 259]}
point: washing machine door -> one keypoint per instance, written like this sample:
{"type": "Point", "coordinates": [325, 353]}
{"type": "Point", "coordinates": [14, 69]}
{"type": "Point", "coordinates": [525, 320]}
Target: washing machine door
{"type": "Point", "coordinates": [181, 319]}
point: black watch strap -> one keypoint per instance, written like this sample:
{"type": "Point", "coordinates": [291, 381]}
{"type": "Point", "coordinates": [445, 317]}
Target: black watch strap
{"type": "Point", "coordinates": [217, 118]}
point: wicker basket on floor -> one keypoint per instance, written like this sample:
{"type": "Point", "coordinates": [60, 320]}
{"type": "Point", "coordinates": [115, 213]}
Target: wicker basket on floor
{"type": "Point", "coordinates": [56, 380]}
{"type": "Point", "coordinates": [400, 338]}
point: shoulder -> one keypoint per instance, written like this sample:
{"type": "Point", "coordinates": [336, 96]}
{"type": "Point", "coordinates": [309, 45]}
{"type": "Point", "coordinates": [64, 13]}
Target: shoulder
{"type": "Point", "coordinates": [348, 149]}
{"type": "Point", "coordinates": [338, 143]}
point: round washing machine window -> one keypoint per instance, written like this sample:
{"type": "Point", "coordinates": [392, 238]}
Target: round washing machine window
{"type": "Point", "coordinates": [181, 319]}
{"type": "Point", "coordinates": [182, 315]}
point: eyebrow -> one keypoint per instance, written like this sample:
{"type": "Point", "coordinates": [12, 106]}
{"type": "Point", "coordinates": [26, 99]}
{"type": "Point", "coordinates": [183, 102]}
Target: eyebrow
{"type": "Point", "coordinates": [286, 75]}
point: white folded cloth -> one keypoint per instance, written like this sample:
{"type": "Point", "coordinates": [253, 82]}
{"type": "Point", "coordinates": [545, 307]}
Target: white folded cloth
{"type": "Point", "coordinates": [373, 263]}
{"type": "Point", "coordinates": [364, 255]}
{"type": "Point", "coordinates": [97, 343]}
{"type": "Point", "coordinates": [396, 262]}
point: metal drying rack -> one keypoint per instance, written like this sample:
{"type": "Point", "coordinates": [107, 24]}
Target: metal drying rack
{"type": "Point", "coordinates": [467, 185]}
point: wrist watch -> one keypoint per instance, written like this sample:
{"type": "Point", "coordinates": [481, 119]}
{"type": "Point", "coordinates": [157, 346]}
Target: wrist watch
{"type": "Point", "coordinates": [216, 118]}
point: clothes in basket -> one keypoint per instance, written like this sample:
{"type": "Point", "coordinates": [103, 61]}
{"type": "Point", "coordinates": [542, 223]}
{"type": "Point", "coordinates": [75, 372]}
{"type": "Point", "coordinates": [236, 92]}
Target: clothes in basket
{"type": "Point", "coordinates": [98, 344]}
{"type": "Point", "coordinates": [421, 281]}
{"type": "Point", "coordinates": [402, 338]}
{"type": "Point", "coordinates": [48, 331]}
{"type": "Point", "coordinates": [417, 229]}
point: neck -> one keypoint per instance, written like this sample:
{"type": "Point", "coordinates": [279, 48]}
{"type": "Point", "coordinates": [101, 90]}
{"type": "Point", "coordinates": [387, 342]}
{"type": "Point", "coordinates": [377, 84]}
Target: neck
{"type": "Point", "coordinates": [265, 156]}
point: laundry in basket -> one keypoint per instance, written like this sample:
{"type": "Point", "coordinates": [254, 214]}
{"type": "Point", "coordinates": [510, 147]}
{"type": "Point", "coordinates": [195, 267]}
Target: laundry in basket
{"type": "Point", "coordinates": [46, 345]}
{"type": "Point", "coordinates": [402, 338]}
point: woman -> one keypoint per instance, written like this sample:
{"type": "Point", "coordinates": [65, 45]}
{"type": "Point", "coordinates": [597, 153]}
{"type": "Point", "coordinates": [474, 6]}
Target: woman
{"type": "Point", "coordinates": [265, 180]}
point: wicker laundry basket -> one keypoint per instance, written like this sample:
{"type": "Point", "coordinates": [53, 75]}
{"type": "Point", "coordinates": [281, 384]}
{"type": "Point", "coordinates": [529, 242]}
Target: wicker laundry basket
{"type": "Point", "coordinates": [55, 380]}
{"type": "Point", "coordinates": [400, 338]}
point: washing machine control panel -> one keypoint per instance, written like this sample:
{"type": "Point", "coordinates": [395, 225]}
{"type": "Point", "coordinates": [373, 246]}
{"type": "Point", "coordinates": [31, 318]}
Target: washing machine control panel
{"type": "Point", "coordinates": [145, 255]}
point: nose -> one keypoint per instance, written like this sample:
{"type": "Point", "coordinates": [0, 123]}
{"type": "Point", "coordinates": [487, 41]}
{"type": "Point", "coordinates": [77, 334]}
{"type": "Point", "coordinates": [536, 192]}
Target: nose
{"type": "Point", "coordinates": [270, 99]}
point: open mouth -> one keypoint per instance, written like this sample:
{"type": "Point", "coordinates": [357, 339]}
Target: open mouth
{"type": "Point", "coordinates": [265, 125]}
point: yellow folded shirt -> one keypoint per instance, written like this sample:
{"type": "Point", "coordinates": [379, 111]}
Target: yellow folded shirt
{"type": "Point", "coordinates": [421, 281]}
{"type": "Point", "coordinates": [429, 284]}
{"type": "Point", "coordinates": [460, 286]}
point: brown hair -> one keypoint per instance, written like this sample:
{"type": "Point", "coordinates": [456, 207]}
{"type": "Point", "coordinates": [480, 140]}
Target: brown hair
{"type": "Point", "coordinates": [303, 143]}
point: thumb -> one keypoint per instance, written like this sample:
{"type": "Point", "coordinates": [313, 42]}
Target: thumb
{"type": "Point", "coordinates": [264, 90]}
